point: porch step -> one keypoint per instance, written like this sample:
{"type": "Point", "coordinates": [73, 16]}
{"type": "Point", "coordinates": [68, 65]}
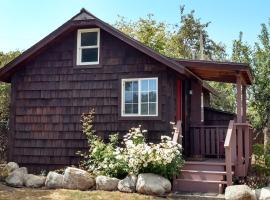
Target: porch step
{"type": "Point", "coordinates": [204, 166]}
{"type": "Point", "coordinates": [186, 185]}
{"type": "Point", "coordinates": [201, 176]}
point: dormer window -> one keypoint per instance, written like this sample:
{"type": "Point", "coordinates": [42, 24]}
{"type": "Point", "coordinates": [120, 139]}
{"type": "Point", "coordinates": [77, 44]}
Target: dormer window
{"type": "Point", "coordinates": [88, 46]}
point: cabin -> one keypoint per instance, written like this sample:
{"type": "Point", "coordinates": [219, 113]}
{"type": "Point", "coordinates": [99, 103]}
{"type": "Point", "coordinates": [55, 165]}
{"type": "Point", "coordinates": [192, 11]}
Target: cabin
{"type": "Point", "coordinates": [86, 63]}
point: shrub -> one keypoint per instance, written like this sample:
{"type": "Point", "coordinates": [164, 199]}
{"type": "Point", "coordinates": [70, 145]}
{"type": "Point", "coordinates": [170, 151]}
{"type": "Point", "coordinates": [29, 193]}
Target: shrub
{"type": "Point", "coordinates": [259, 173]}
{"type": "Point", "coordinates": [135, 156]}
{"type": "Point", "coordinates": [164, 158]}
{"type": "Point", "coordinates": [101, 159]}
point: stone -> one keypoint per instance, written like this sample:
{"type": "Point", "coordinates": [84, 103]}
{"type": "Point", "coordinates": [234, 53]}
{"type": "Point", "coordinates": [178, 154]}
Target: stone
{"type": "Point", "coordinates": [239, 192]}
{"type": "Point", "coordinates": [16, 178]}
{"type": "Point", "coordinates": [34, 181]}
{"type": "Point", "coordinates": [12, 166]}
{"type": "Point", "coordinates": [75, 178]}
{"type": "Point", "coordinates": [263, 193]}
{"type": "Point", "coordinates": [128, 184]}
{"type": "Point", "coordinates": [7, 169]}
{"type": "Point", "coordinates": [106, 183]}
{"type": "Point", "coordinates": [54, 180]}
{"type": "Point", "coordinates": [152, 184]}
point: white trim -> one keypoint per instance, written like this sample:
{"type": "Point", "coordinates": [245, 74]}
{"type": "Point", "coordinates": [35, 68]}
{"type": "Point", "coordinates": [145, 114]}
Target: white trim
{"type": "Point", "coordinates": [139, 97]}
{"type": "Point", "coordinates": [79, 47]}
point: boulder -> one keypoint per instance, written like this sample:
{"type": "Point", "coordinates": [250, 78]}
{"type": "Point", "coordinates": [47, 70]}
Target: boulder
{"type": "Point", "coordinates": [106, 183]}
{"type": "Point", "coordinates": [34, 181]}
{"type": "Point", "coordinates": [75, 178]}
{"type": "Point", "coordinates": [263, 193]}
{"type": "Point", "coordinates": [11, 166]}
{"type": "Point", "coordinates": [7, 169]}
{"type": "Point", "coordinates": [54, 180]}
{"type": "Point", "coordinates": [16, 178]}
{"type": "Point", "coordinates": [128, 184]}
{"type": "Point", "coordinates": [152, 184]}
{"type": "Point", "coordinates": [239, 192]}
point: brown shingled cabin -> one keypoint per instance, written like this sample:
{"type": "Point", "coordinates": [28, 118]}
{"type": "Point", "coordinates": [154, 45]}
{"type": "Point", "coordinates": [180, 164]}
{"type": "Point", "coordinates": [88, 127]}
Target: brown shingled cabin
{"type": "Point", "coordinates": [86, 63]}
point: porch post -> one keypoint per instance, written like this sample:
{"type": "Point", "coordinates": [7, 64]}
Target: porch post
{"type": "Point", "coordinates": [244, 102]}
{"type": "Point", "coordinates": [240, 169]}
{"type": "Point", "coordinates": [239, 99]}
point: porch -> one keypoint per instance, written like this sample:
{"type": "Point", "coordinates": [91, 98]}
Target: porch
{"type": "Point", "coordinates": [215, 150]}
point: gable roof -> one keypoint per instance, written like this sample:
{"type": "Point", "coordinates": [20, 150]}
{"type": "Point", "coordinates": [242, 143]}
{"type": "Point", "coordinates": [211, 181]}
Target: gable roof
{"type": "Point", "coordinates": [84, 19]}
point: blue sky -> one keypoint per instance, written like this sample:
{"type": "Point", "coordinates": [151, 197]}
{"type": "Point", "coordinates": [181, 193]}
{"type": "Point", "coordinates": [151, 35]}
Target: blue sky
{"type": "Point", "coordinates": [25, 22]}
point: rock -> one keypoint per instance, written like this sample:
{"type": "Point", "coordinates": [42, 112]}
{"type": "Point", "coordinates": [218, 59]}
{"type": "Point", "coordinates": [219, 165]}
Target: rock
{"type": "Point", "coordinates": [239, 192]}
{"type": "Point", "coordinates": [34, 181]}
{"type": "Point", "coordinates": [128, 184]}
{"type": "Point", "coordinates": [16, 178]}
{"type": "Point", "coordinates": [152, 184]}
{"type": "Point", "coordinates": [54, 180]}
{"type": "Point", "coordinates": [106, 183]}
{"type": "Point", "coordinates": [263, 193]}
{"type": "Point", "coordinates": [75, 178]}
{"type": "Point", "coordinates": [4, 172]}
{"type": "Point", "coordinates": [11, 166]}
{"type": "Point", "coordinates": [7, 169]}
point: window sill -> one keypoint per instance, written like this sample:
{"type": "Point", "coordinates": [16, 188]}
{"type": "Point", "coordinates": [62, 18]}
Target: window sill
{"type": "Point", "coordinates": [139, 118]}
{"type": "Point", "coordinates": [87, 66]}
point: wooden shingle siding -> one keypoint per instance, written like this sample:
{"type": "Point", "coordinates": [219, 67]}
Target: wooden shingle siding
{"type": "Point", "coordinates": [52, 93]}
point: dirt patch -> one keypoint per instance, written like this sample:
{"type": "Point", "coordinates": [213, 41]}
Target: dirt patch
{"type": "Point", "coordinates": [9, 193]}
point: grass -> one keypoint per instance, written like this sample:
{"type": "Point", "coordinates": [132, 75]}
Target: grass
{"type": "Point", "coordinates": [8, 193]}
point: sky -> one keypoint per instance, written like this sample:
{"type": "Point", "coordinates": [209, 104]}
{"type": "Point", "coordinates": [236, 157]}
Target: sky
{"type": "Point", "coordinates": [25, 22]}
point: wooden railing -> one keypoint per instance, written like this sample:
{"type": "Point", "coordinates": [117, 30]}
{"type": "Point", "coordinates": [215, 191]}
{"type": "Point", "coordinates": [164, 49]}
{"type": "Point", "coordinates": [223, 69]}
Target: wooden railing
{"type": "Point", "coordinates": [207, 140]}
{"type": "Point", "coordinates": [230, 151]}
{"type": "Point", "coordinates": [237, 146]}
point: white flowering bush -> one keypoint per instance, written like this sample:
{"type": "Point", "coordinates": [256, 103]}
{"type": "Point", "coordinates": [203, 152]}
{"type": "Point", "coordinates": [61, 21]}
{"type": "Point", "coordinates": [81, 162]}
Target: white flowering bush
{"type": "Point", "coordinates": [164, 158]}
{"type": "Point", "coordinates": [101, 158]}
{"type": "Point", "coordinates": [133, 157]}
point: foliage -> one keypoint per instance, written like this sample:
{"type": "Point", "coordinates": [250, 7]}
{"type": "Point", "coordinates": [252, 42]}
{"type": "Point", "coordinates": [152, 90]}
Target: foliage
{"type": "Point", "coordinates": [5, 88]}
{"type": "Point", "coordinates": [259, 174]}
{"type": "Point", "coordinates": [136, 156]}
{"type": "Point", "coordinates": [164, 158]}
{"type": "Point", "coordinates": [176, 41]}
{"type": "Point", "coordinates": [261, 87]}
{"type": "Point", "coordinates": [101, 159]}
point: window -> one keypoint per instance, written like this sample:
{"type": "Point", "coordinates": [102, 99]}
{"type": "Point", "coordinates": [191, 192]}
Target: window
{"type": "Point", "coordinates": [140, 97]}
{"type": "Point", "coordinates": [88, 46]}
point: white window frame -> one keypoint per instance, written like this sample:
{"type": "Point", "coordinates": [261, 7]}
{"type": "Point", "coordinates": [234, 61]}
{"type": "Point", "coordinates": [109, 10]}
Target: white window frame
{"type": "Point", "coordinates": [123, 114]}
{"type": "Point", "coordinates": [79, 47]}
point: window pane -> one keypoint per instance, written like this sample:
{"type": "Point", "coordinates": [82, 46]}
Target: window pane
{"type": "Point", "coordinates": [144, 85]}
{"type": "Point", "coordinates": [128, 86]}
{"type": "Point", "coordinates": [152, 109]}
{"type": "Point", "coordinates": [128, 108]}
{"type": "Point", "coordinates": [144, 97]}
{"type": "Point", "coordinates": [89, 39]}
{"type": "Point", "coordinates": [144, 108]}
{"type": "Point", "coordinates": [152, 85]}
{"type": "Point", "coordinates": [135, 108]}
{"type": "Point", "coordinates": [90, 55]}
{"type": "Point", "coordinates": [152, 96]}
{"type": "Point", "coordinates": [135, 97]}
{"type": "Point", "coordinates": [128, 97]}
{"type": "Point", "coordinates": [135, 86]}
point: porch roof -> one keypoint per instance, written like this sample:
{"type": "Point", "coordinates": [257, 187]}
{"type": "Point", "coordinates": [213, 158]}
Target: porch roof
{"type": "Point", "coordinates": [218, 71]}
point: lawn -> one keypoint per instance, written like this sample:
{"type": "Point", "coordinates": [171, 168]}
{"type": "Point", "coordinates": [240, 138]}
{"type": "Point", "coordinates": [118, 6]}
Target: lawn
{"type": "Point", "coordinates": [8, 193]}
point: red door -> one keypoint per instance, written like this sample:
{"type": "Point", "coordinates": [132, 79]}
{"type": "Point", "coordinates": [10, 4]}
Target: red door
{"type": "Point", "coordinates": [179, 100]}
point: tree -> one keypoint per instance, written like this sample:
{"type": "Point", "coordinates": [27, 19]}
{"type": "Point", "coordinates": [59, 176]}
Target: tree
{"type": "Point", "coordinates": [176, 41]}
{"type": "Point", "coordinates": [5, 88]}
{"type": "Point", "coordinates": [260, 101]}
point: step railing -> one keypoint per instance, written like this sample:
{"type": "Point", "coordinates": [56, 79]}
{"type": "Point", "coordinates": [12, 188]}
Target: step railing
{"type": "Point", "coordinates": [207, 140]}
{"type": "Point", "coordinates": [238, 150]}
